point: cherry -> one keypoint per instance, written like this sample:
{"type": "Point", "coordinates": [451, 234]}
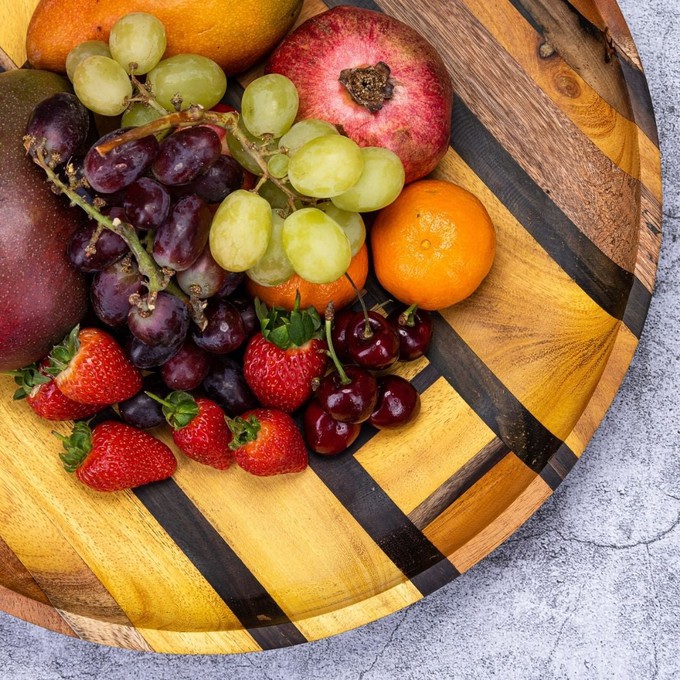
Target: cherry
{"type": "Point", "coordinates": [341, 321]}
{"type": "Point", "coordinates": [414, 328]}
{"type": "Point", "coordinates": [372, 342]}
{"type": "Point", "coordinates": [349, 395]}
{"type": "Point", "coordinates": [398, 403]}
{"type": "Point", "coordinates": [324, 434]}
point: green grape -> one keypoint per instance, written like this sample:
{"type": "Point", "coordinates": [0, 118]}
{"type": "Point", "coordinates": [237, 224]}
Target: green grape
{"type": "Point", "coordinates": [326, 166]}
{"type": "Point", "coordinates": [240, 154]}
{"type": "Point", "coordinates": [278, 165]}
{"type": "Point", "coordinates": [137, 38]}
{"type": "Point", "coordinates": [273, 267]}
{"type": "Point", "coordinates": [195, 79]}
{"type": "Point", "coordinates": [273, 195]}
{"type": "Point", "coordinates": [380, 183]}
{"type": "Point", "coordinates": [305, 131]}
{"type": "Point", "coordinates": [269, 105]}
{"type": "Point", "coordinates": [81, 52]}
{"type": "Point", "coordinates": [138, 114]}
{"type": "Point", "coordinates": [102, 85]}
{"type": "Point", "coordinates": [316, 245]}
{"type": "Point", "coordinates": [352, 224]}
{"type": "Point", "coordinates": [240, 231]}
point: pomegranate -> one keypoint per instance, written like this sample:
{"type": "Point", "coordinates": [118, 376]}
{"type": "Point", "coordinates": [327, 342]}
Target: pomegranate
{"type": "Point", "coordinates": [374, 76]}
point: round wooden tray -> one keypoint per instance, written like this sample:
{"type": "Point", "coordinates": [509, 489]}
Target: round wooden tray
{"type": "Point", "coordinates": [553, 129]}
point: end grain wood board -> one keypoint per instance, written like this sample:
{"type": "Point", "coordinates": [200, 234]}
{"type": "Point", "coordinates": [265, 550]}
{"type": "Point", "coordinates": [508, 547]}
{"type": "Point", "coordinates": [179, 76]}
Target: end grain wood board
{"type": "Point", "coordinates": [553, 130]}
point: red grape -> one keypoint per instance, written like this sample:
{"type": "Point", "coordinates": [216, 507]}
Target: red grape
{"type": "Point", "coordinates": [146, 203]}
{"type": "Point", "coordinates": [184, 155]}
{"type": "Point", "coordinates": [111, 289]}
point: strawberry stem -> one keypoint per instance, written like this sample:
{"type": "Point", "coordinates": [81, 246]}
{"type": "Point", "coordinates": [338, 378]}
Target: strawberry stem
{"type": "Point", "coordinates": [245, 430]}
{"type": "Point", "coordinates": [344, 378]}
{"type": "Point", "coordinates": [77, 446]}
{"type": "Point", "coordinates": [179, 408]}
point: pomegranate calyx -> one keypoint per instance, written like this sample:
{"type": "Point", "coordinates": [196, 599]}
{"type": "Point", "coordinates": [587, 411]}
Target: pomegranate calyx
{"type": "Point", "coordinates": [369, 86]}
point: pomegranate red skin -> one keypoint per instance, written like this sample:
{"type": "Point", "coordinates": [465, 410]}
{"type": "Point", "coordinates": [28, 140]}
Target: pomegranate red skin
{"type": "Point", "coordinates": [415, 123]}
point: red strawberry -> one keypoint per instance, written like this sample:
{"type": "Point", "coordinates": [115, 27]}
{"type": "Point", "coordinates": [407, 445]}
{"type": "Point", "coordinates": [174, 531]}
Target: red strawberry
{"type": "Point", "coordinates": [268, 442]}
{"type": "Point", "coordinates": [90, 367]}
{"type": "Point", "coordinates": [114, 456]}
{"type": "Point", "coordinates": [45, 398]}
{"type": "Point", "coordinates": [199, 428]}
{"type": "Point", "coordinates": [282, 362]}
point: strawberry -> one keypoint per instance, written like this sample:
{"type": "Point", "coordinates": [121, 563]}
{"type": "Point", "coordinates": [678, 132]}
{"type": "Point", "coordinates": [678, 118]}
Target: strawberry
{"type": "Point", "coordinates": [45, 398]}
{"type": "Point", "coordinates": [199, 428]}
{"type": "Point", "coordinates": [114, 456]}
{"type": "Point", "coordinates": [282, 361]}
{"type": "Point", "coordinates": [267, 442]}
{"type": "Point", "coordinates": [90, 367]}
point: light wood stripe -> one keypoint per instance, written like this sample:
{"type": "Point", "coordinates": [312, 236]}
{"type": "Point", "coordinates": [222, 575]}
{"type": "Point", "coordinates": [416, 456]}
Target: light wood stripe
{"type": "Point", "coordinates": [488, 513]}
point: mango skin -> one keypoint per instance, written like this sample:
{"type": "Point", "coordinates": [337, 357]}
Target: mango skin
{"type": "Point", "coordinates": [41, 296]}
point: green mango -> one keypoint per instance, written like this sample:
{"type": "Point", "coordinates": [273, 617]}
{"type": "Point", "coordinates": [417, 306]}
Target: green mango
{"type": "Point", "coordinates": [41, 296]}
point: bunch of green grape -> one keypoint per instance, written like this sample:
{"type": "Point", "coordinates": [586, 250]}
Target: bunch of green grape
{"type": "Point", "coordinates": [101, 73]}
{"type": "Point", "coordinates": [306, 218]}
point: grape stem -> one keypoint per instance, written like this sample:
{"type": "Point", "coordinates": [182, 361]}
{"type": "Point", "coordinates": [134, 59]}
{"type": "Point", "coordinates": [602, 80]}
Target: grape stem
{"type": "Point", "coordinates": [157, 279]}
{"type": "Point", "coordinates": [197, 115]}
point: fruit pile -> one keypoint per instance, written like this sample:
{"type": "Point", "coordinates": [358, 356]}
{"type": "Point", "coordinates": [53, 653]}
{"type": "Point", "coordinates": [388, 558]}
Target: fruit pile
{"type": "Point", "coordinates": [193, 207]}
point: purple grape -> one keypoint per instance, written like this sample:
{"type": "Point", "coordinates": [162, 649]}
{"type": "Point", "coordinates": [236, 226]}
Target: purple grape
{"type": "Point", "coordinates": [184, 155]}
{"type": "Point", "coordinates": [225, 331]}
{"type": "Point", "coordinates": [187, 369]}
{"type": "Point", "coordinates": [222, 177]}
{"type": "Point", "coordinates": [246, 308]}
{"type": "Point", "coordinates": [168, 321]}
{"type": "Point", "coordinates": [121, 166]}
{"type": "Point", "coordinates": [109, 249]}
{"type": "Point", "coordinates": [141, 410]}
{"type": "Point", "coordinates": [226, 385]}
{"type": "Point", "coordinates": [63, 122]}
{"type": "Point", "coordinates": [107, 413]}
{"type": "Point", "coordinates": [146, 203]}
{"type": "Point", "coordinates": [181, 238]}
{"type": "Point", "coordinates": [145, 356]}
{"type": "Point", "coordinates": [111, 289]}
{"type": "Point", "coordinates": [231, 283]}
{"type": "Point", "coordinates": [204, 277]}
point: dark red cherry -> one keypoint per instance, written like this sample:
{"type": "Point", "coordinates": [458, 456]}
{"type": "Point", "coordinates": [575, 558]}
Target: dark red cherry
{"type": "Point", "coordinates": [324, 434]}
{"type": "Point", "coordinates": [398, 403]}
{"type": "Point", "coordinates": [414, 328]}
{"type": "Point", "coordinates": [372, 343]}
{"type": "Point", "coordinates": [351, 401]}
{"type": "Point", "coordinates": [341, 321]}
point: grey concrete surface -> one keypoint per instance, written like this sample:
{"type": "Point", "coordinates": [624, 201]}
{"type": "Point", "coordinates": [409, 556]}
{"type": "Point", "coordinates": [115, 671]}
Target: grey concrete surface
{"type": "Point", "coordinates": [588, 588]}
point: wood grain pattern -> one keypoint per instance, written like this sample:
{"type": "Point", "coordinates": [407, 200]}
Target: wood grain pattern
{"type": "Point", "coordinates": [553, 130]}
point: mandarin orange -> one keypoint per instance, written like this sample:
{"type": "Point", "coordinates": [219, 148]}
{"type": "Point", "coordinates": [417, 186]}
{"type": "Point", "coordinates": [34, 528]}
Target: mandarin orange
{"type": "Point", "coordinates": [316, 295]}
{"type": "Point", "coordinates": [434, 245]}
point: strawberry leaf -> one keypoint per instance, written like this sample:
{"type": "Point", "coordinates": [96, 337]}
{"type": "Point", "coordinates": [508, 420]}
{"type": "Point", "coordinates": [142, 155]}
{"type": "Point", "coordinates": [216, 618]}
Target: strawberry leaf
{"type": "Point", "coordinates": [179, 408]}
{"type": "Point", "coordinates": [288, 329]}
{"type": "Point", "coordinates": [27, 379]}
{"type": "Point", "coordinates": [61, 354]}
{"type": "Point", "coordinates": [77, 446]}
{"type": "Point", "coordinates": [244, 431]}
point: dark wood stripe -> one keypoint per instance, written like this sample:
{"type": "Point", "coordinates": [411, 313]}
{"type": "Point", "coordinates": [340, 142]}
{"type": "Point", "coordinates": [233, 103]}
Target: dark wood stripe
{"type": "Point", "coordinates": [559, 466]}
{"type": "Point", "coordinates": [638, 105]}
{"type": "Point", "coordinates": [463, 480]}
{"type": "Point", "coordinates": [382, 519]}
{"type": "Point", "coordinates": [221, 567]}
{"type": "Point", "coordinates": [602, 279]}
{"type": "Point", "coordinates": [365, 4]}
{"type": "Point", "coordinates": [637, 308]}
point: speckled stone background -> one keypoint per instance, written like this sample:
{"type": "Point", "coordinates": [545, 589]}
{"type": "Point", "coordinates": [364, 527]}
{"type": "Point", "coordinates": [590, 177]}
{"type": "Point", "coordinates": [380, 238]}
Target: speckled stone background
{"type": "Point", "coordinates": [588, 588]}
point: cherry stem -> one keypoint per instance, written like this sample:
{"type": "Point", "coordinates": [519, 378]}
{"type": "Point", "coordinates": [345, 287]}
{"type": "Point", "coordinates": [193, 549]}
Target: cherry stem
{"type": "Point", "coordinates": [407, 317]}
{"type": "Point", "coordinates": [368, 331]}
{"type": "Point", "coordinates": [330, 311]}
